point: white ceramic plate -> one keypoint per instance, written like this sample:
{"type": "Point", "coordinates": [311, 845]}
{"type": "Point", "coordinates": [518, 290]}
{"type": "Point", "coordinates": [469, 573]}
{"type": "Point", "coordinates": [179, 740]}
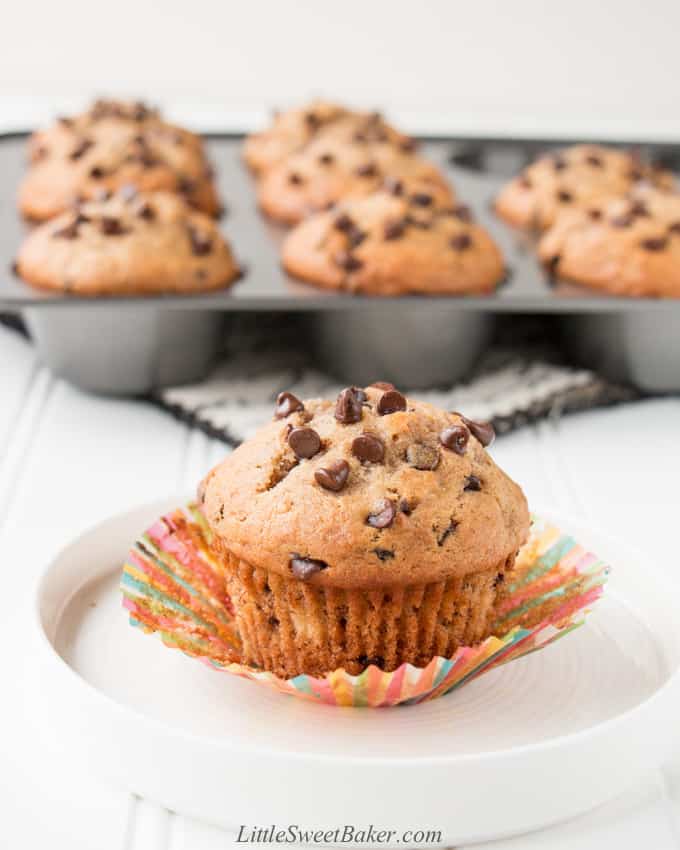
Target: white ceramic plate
{"type": "Point", "coordinates": [532, 743]}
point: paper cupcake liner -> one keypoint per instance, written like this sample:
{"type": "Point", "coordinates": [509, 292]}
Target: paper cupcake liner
{"type": "Point", "coordinates": [172, 585]}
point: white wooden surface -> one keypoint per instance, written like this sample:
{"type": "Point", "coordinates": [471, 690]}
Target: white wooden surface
{"type": "Point", "coordinates": [68, 460]}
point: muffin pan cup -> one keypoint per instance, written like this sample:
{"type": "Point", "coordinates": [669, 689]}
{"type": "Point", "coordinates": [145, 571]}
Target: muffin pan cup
{"type": "Point", "coordinates": [419, 340]}
{"type": "Point", "coordinates": [172, 585]}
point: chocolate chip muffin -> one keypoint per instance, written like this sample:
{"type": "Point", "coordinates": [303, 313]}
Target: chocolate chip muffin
{"type": "Point", "coordinates": [293, 129]}
{"type": "Point", "coordinates": [373, 529]}
{"type": "Point", "coordinates": [392, 243]}
{"type": "Point", "coordinates": [111, 145]}
{"type": "Point", "coordinates": [579, 176]}
{"type": "Point", "coordinates": [130, 244]}
{"type": "Point", "coordinates": [330, 169]}
{"type": "Point", "coordinates": [625, 246]}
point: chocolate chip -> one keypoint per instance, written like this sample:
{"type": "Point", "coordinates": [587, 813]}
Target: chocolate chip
{"type": "Point", "coordinates": [304, 568]}
{"type": "Point", "coordinates": [368, 169]}
{"type": "Point", "coordinates": [423, 457]}
{"type": "Point", "coordinates": [287, 403]}
{"type": "Point", "coordinates": [356, 237]}
{"type": "Point", "coordinates": [360, 394]}
{"type": "Point", "coordinates": [500, 578]}
{"type": "Point", "coordinates": [128, 192]}
{"type": "Point", "coordinates": [394, 230]}
{"type": "Point", "coordinates": [455, 438]}
{"type": "Point", "coordinates": [186, 185]}
{"type": "Point", "coordinates": [422, 199]}
{"type": "Point", "coordinates": [461, 242]}
{"type": "Point", "coordinates": [201, 243]}
{"type": "Point", "coordinates": [594, 214]}
{"type": "Point", "coordinates": [97, 172]}
{"type": "Point", "coordinates": [564, 197]}
{"type": "Point", "coordinates": [348, 407]}
{"type": "Point", "coordinates": [295, 179]}
{"type": "Point", "coordinates": [312, 120]}
{"type": "Point", "coordinates": [146, 211]}
{"type": "Point", "coordinates": [384, 554]}
{"type": "Point", "coordinates": [111, 226]}
{"type": "Point", "coordinates": [70, 230]}
{"type": "Point", "coordinates": [406, 507]}
{"type": "Point", "coordinates": [559, 163]}
{"type": "Point", "coordinates": [347, 261]}
{"type": "Point", "coordinates": [483, 431]}
{"type": "Point", "coordinates": [368, 448]}
{"type": "Point", "coordinates": [594, 160]}
{"type": "Point", "coordinates": [391, 401]}
{"type": "Point", "coordinates": [81, 149]}
{"type": "Point", "coordinates": [273, 622]}
{"type": "Point", "coordinates": [654, 244]}
{"type": "Point", "coordinates": [448, 531]}
{"type": "Point", "coordinates": [622, 221]}
{"type": "Point", "coordinates": [472, 483]}
{"type": "Point", "coordinates": [326, 159]}
{"type": "Point", "coordinates": [394, 186]}
{"type": "Point", "coordinates": [462, 212]}
{"type": "Point", "coordinates": [304, 442]}
{"type": "Point", "coordinates": [674, 228]}
{"type": "Point", "coordinates": [639, 209]}
{"type": "Point", "coordinates": [382, 515]}
{"type": "Point", "coordinates": [334, 476]}
{"type": "Point", "coordinates": [344, 223]}
{"type": "Point", "coordinates": [383, 385]}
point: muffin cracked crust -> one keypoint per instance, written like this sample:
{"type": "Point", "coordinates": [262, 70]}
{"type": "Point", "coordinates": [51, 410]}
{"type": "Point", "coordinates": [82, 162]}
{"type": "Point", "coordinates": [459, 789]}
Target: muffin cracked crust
{"type": "Point", "coordinates": [129, 244]}
{"type": "Point", "coordinates": [371, 529]}
{"type": "Point", "coordinates": [625, 246]}
{"type": "Point", "coordinates": [575, 177]}
{"type": "Point", "coordinates": [292, 130]}
{"type": "Point", "coordinates": [111, 145]}
{"type": "Point", "coordinates": [395, 243]}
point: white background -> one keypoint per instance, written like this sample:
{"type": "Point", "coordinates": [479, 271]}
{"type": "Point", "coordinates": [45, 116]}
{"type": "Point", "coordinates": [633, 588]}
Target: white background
{"type": "Point", "coordinates": [582, 67]}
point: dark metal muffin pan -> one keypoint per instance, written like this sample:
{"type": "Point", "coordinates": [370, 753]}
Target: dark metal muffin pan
{"type": "Point", "coordinates": [424, 340]}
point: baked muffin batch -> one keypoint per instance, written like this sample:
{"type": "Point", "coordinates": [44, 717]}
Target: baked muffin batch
{"type": "Point", "coordinates": [123, 202]}
{"type": "Point", "coordinates": [368, 529]}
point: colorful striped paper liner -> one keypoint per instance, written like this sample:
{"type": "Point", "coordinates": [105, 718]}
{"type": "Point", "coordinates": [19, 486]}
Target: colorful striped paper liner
{"type": "Point", "coordinates": [171, 585]}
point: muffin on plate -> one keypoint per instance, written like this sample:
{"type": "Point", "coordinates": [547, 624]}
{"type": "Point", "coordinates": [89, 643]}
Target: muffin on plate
{"type": "Point", "coordinates": [111, 145]}
{"type": "Point", "coordinates": [130, 244]}
{"type": "Point", "coordinates": [395, 244]}
{"type": "Point", "coordinates": [575, 177]}
{"type": "Point", "coordinates": [623, 246]}
{"type": "Point", "coordinates": [330, 169]}
{"type": "Point", "coordinates": [373, 529]}
{"type": "Point", "coordinates": [293, 129]}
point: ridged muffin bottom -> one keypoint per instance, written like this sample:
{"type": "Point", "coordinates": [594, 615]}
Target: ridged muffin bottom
{"type": "Point", "coordinates": [289, 627]}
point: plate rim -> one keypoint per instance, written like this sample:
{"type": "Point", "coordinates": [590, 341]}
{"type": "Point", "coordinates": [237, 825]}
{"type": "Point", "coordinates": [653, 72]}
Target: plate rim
{"type": "Point", "coordinates": [157, 507]}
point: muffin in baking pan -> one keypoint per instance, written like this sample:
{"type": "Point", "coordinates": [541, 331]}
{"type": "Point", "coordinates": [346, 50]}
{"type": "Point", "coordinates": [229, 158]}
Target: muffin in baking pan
{"type": "Point", "coordinates": [129, 244]}
{"type": "Point", "coordinates": [111, 145]}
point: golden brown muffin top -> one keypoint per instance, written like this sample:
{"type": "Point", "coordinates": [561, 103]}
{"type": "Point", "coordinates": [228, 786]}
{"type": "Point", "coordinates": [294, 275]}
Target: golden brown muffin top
{"type": "Point", "coordinates": [130, 244]}
{"type": "Point", "coordinates": [371, 490]}
{"type": "Point", "coordinates": [626, 246]}
{"type": "Point", "coordinates": [574, 177]}
{"type": "Point", "coordinates": [293, 129]}
{"type": "Point", "coordinates": [111, 145]}
{"type": "Point", "coordinates": [395, 244]}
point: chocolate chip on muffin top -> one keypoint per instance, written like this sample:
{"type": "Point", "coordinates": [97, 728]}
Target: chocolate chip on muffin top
{"type": "Point", "coordinates": [379, 488]}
